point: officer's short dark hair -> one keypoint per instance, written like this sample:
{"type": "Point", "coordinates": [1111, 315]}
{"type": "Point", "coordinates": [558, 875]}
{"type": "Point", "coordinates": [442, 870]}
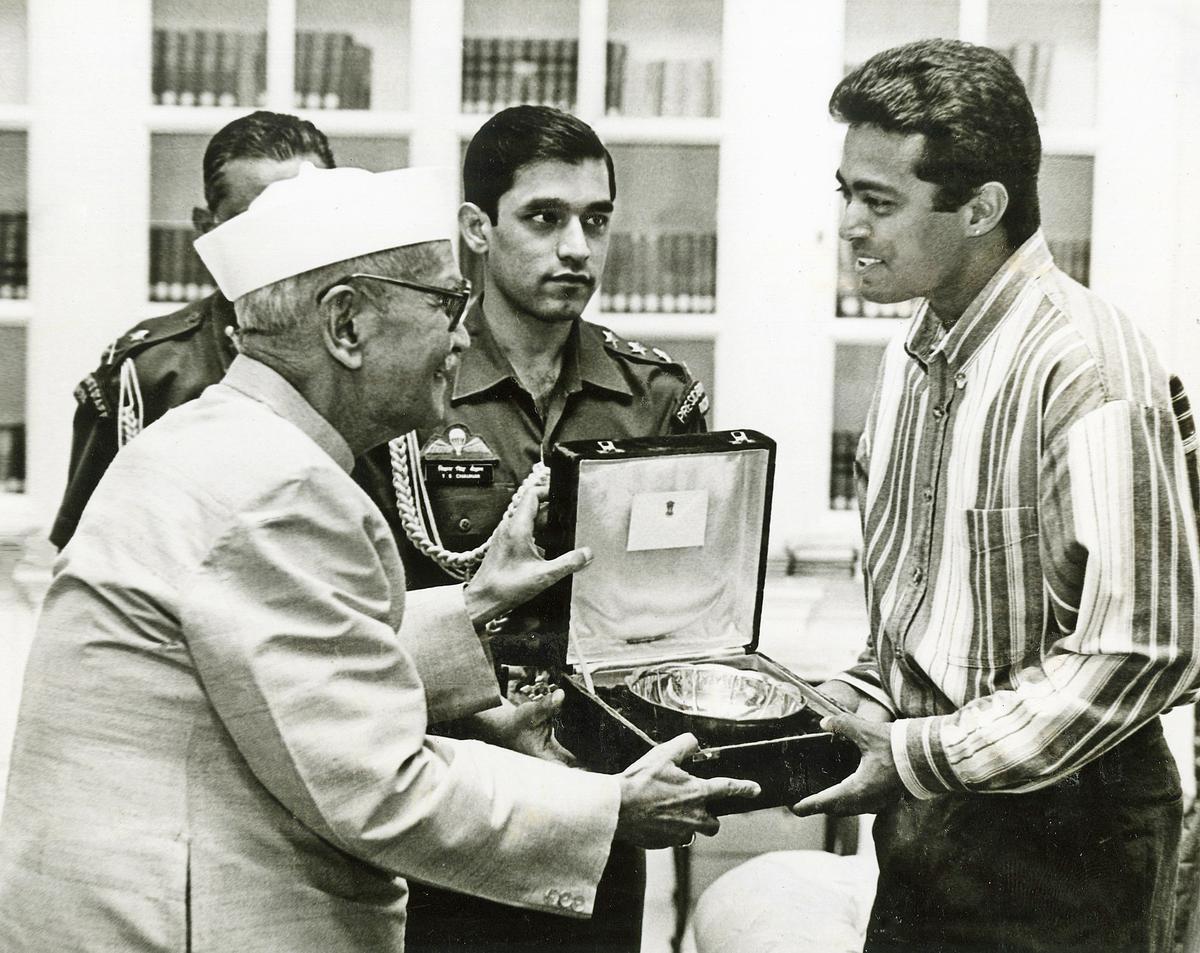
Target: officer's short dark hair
{"type": "Point", "coordinates": [521, 135]}
{"type": "Point", "coordinates": [261, 135]}
{"type": "Point", "coordinates": [972, 109]}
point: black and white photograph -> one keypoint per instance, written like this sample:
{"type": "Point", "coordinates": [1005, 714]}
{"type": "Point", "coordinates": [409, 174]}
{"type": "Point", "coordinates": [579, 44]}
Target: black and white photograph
{"type": "Point", "coordinates": [602, 476]}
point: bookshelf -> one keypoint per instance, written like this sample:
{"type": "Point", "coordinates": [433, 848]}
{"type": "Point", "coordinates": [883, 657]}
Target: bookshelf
{"type": "Point", "coordinates": [750, 161]}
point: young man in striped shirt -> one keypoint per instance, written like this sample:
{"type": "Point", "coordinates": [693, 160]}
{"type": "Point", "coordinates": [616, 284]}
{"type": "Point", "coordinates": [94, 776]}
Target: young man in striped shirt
{"type": "Point", "coordinates": [1030, 545]}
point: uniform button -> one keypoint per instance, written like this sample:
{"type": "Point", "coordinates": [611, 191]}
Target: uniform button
{"type": "Point", "coordinates": [918, 574]}
{"type": "Point", "coordinates": [938, 413]}
{"type": "Point", "coordinates": [960, 380]}
{"type": "Point", "coordinates": [464, 525]}
{"type": "Point", "coordinates": [927, 494]}
{"type": "Point", "coordinates": [565, 901]}
{"type": "Point", "coordinates": [577, 904]}
{"type": "Point", "coordinates": [552, 896]}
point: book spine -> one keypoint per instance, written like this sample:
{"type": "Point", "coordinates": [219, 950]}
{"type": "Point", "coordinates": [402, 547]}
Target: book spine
{"type": "Point", "coordinates": [707, 297]}
{"type": "Point", "coordinates": [153, 270]}
{"type": "Point", "coordinates": [189, 66]}
{"type": "Point", "coordinates": [22, 255]}
{"type": "Point", "coordinates": [318, 72]}
{"type": "Point", "coordinates": [614, 79]}
{"type": "Point", "coordinates": [170, 68]}
{"type": "Point", "coordinates": [157, 58]}
{"type": "Point", "coordinates": [206, 74]}
{"type": "Point", "coordinates": [301, 60]}
{"type": "Point", "coordinates": [228, 52]}
{"type": "Point", "coordinates": [7, 255]}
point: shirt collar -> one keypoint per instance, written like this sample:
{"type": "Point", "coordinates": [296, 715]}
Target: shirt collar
{"type": "Point", "coordinates": [985, 312]}
{"type": "Point", "coordinates": [259, 382]}
{"type": "Point", "coordinates": [585, 361]}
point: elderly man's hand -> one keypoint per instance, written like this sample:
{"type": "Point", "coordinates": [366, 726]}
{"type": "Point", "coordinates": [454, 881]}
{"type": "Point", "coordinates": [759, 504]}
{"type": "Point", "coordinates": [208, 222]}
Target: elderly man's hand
{"type": "Point", "coordinates": [664, 806]}
{"type": "Point", "coordinates": [875, 785]}
{"type": "Point", "coordinates": [527, 727]}
{"type": "Point", "coordinates": [514, 571]}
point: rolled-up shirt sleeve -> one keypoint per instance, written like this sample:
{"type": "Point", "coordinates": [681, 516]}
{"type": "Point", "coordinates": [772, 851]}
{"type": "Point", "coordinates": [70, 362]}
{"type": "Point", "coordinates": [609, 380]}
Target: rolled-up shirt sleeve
{"type": "Point", "coordinates": [1117, 545]}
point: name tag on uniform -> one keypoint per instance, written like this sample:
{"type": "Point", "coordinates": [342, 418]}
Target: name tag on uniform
{"type": "Point", "coordinates": [458, 458]}
{"type": "Point", "coordinates": [459, 474]}
{"type": "Point", "coordinates": [673, 520]}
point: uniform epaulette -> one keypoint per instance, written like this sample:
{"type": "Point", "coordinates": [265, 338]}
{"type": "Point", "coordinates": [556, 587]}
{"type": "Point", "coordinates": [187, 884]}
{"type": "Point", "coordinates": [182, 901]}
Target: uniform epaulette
{"type": "Point", "coordinates": [153, 330]}
{"type": "Point", "coordinates": [636, 351]}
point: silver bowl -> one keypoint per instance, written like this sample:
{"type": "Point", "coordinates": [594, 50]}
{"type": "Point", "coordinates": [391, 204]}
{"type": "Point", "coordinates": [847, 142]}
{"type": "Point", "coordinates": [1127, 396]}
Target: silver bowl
{"type": "Point", "coordinates": [717, 698]}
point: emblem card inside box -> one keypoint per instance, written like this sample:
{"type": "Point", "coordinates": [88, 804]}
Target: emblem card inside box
{"type": "Point", "coordinates": [678, 529]}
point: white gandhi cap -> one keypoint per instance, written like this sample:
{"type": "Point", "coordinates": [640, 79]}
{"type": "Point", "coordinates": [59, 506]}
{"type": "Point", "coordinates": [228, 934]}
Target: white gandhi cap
{"type": "Point", "coordinates": [324, 216]}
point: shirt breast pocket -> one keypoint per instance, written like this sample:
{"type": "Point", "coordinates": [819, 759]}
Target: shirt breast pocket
{"type": "Point", "coordinates": [467, 515]}
{"type": "Point", "coordinates": [1003, 568]}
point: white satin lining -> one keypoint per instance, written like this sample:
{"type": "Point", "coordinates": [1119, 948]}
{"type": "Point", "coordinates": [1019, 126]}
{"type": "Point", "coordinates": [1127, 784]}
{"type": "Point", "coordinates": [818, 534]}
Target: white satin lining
{"type": "Point", "coordinates": [627, 607]}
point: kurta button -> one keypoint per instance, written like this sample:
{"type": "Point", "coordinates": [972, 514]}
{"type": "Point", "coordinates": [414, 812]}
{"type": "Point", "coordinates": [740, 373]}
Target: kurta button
{"type": "Point", "coordinates": [927, 494]}
{"type": "Point", "coordinates": [917, 574]}
{"type": "Point", "coordinates": [552, 896]}
{"type": "Point", "coordinates": [938, 413]}
{"type": "Point", "coordinates": [960, 380]}
{"type": "Point", "coordinates": [577, 904]}
{"type": "Point", "coordinates": [464, 525]}
{"type": "Point", "coordinates": [565, 901]}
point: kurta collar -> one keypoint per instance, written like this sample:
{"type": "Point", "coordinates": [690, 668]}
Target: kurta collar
{"type": "Point", "coordinates": [484, 366]}
{"type": "Point", "coordinates": [259, 382]}
{"type": "Point", "coordinates": [984, 314]}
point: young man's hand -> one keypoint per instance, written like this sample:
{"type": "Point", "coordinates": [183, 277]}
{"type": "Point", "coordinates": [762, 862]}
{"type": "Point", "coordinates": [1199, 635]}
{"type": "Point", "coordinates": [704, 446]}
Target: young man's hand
{"type": "Point", "coordinates": [874, 785]}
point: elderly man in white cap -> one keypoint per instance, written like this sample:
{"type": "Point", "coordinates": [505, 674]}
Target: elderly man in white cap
{"type": "Point", "coordinates": [221, 743]}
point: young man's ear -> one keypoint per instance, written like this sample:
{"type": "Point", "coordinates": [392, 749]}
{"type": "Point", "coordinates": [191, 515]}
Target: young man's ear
{"type": "Point", "coordinates": [475, 227]}
{"type": "Point", "coordinates": [203, 220]}
{"type": "Point", "coordinates": [339, 328]}
{"type": "Point", "coordinates": [985, 209]}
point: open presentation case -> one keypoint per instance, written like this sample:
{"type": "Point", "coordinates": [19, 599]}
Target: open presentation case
{"type": "Point", "coordinates": [662, 627]}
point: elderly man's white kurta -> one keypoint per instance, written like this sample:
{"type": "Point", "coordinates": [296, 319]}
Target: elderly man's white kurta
{"type": "Point", "coordinates": [222, 742]}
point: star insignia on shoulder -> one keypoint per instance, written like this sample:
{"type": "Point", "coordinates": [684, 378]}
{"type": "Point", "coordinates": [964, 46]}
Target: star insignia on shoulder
{"type": "Point", "coordinates": [635, 348]}
{"type": "Point", "coordinates": [610, 338]}
{"type": "Point", "coordinates": [137, 335]}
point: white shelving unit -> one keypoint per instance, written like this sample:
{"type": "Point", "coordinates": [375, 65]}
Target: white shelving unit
{"type": "Point", "coordinates": [104, 162]}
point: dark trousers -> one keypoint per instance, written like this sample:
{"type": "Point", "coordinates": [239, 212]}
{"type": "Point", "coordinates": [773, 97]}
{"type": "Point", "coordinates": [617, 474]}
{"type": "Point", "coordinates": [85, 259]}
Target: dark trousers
{"type": "Point", "coordinates": [1084, 866]}
{"type": "Point", "coordinates": [441, 921]}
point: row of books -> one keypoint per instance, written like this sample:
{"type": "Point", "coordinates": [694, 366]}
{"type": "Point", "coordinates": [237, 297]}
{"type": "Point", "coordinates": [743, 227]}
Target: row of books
{"type": "Point", "coordinates": [841, 470]}
{"type": "Point", "coordinates": [229, 68]}
{"type": "Point", "coordinates": [14, 255]}
{"type": "Point", "coordinates": [667, 272]}
{"type": "Point", "coordinates": [176, 271]}
{"type": "Point", "coordinates": [12, 458]}
{"type": "Point", "coordinates": [672, 88]}
{"type": "Point", "coordinates": [503, 71]}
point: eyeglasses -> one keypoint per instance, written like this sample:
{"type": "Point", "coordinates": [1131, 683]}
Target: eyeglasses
{"type": "Point", "coordinates": [452, 301]}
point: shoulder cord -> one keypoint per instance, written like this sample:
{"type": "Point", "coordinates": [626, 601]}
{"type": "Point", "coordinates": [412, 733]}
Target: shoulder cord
{"type": "Point", "coordinates": [130, 411]}
{"type": "Point", "coordinates": [416, 512]}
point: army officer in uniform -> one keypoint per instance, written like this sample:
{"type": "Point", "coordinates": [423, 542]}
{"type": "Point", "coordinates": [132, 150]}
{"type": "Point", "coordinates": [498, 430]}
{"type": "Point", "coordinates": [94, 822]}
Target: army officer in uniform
{"type": "Point", "coordinates": [540, 191]}
{"type": "Point", "coordinates": [166, 361]}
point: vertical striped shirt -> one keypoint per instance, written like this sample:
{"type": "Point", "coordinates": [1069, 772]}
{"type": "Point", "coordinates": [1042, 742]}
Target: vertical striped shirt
{"type": "Point", "coordinates": [1030, 546]}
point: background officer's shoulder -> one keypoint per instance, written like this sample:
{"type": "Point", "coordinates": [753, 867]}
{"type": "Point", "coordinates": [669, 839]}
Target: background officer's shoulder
{"type": "Point", "coordinates": [654, 372]}
{"type": "Point", "coordinates": [140, 343]}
